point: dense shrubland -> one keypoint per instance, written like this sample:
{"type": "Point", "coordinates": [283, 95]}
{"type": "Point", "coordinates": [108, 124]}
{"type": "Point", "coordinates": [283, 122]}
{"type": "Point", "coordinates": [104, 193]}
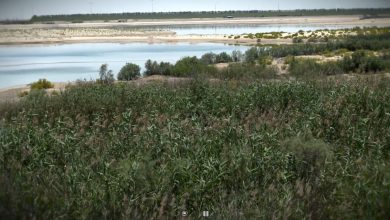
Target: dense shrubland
{"type": "Point", "coordinates": [359, 54]}
{"type": "Point", "coordinates": [358, 62]}
{"type": "Point", "coordinates": [259, 150]}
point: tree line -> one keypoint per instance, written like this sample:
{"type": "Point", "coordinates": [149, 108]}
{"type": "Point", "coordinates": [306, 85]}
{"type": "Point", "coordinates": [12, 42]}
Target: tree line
{"type": "Point", "coordinates": [368, 12]}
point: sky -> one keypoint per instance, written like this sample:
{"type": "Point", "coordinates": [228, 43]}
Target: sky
{"type": "Point", "coordinates": [24, 9]}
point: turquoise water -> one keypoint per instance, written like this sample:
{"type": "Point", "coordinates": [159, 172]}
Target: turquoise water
{"type": "Point", "coordinates": [69, 62]}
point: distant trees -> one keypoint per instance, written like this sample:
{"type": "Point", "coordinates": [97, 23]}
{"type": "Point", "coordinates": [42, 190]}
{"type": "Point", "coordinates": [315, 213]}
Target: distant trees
{"type": "Point", "coordinates": [237, 56]}
{"type": "Point", "coordinates": [206, 14]}
{"type": "Point", "coordinates": [154, 68]}
{"type": "Point", "coordinates": [129, 72]}
{"type": "Point", "coordinates": [209, 58]}
{"type": "Point", "coordinates": [223, 58]}
{"type": "Point", "coordinates": [188, 66]}
{"type": "Point", "coordinates": [251, 55]}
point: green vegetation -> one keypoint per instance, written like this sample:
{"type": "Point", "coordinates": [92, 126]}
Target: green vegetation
{"type": "Point", "coordinates": [129, 72]}
{"type": "Point", "coordinates": [310, 68]}
{"type": "Point", "coordinates": [154, 68]}
{"type": "Point", "coordinates": [351, 43]}
{"type": "Point", "coordinates": [260, 150]}
{"type": "Point", "coordinates": [208, 14]}
{"type": "Point", "coordinates": [246, 72]}
{"type": "Point", "coordinates": [42, 84]}
{"type": "Point", "coordinates": [297, 40]}
{"type": "Point", "coordinates": [212, 58]}
{"type": "Point", "coordinates": [192, 66]}
{"type": "Point", "coordinates": [358, 62]}
{"type": "Point", "coordinates": [241, 141]}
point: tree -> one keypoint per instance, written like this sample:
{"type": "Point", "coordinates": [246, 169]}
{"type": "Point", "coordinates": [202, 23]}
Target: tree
{"type": "Point", "coordinates": [154, 68]}
{"type": "Point", "coordinates": [106, 77]}
{"type": "Point", "coordinates": [237, 56]}
{"type": "Point", "coordinates": [165, 69]}
{"type": "Point", "coordinates": [189, 66]}
{"type": "Point", "coordinates": [223, 58]}
{"type": "Point", "coordinates": [129, 72]}
{"type": "Point", "coordinates": [151, 68]}
{"type": "Point", "coordinates": [209, 58]}
{"type": "Point", "coordinates": [251, 55]}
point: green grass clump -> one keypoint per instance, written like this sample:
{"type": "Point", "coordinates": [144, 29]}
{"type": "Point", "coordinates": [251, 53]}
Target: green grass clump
{"type": "Point", "coordinates": [42, 84]}
{"type": "Point", "coordinates": [276, 149]}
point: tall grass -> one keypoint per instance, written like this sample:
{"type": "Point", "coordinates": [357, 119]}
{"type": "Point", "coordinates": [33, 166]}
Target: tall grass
{"type": "Point", "coordinates": [260, 150]}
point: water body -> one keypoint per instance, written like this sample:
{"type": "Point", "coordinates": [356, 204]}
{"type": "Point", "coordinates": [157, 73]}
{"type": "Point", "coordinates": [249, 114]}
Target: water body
{"type": "Point", "coordinates": [69, 62]}
{"type": "Point", "coordinates": [242, 29]}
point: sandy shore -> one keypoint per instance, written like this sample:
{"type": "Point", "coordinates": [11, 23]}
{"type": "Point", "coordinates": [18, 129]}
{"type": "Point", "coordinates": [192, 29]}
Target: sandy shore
{"type": "Point", "coordinates": [307, 20]}
{"type": "Point", "coordinates": [110, 31]}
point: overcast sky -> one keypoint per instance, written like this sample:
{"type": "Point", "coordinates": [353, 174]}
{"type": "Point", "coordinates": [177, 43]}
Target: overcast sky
{"type": "Point", "coordinates": [21, 9]}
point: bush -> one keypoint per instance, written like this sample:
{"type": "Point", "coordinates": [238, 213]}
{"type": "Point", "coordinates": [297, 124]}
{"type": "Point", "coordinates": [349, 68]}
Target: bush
{"type": "Point", "coordinates": [129, 72]}
{"type": "Point", "coordinates": [22, 94]}
{"type": "Point", "coordinates": [361, 62]}
{"type": "Point", "coordinates": [42, 84]}
{"type": "Point", "coordinates": [251, 55]}
{"type": "Point", "coordinates": [297, 40]}
{"type": "Point", "coordinates": [308, 155]}
{"type": "Point", "coordinates": [311, 68]}
{"type": "Point", "coordinates": [247, 71]}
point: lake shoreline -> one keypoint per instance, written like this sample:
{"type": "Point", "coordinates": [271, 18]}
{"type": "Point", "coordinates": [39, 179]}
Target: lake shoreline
{"type": "Point", "coordinates": [114, 32]}
{"type": "Point", "coordinates": [192, 39]}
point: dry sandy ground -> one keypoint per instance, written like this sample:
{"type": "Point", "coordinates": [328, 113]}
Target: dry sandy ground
{"type": "Point", "coordinates": [326, 20]}
{"type": "Point", "coordinates": [107, 31]}
{"type": "Point", "coordinates": [11, 94]}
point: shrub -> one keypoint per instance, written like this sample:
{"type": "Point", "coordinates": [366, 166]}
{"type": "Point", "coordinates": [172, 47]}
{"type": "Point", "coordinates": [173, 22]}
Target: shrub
{"type": "Point", "coordinates": [129, 72]}
{"type": "Point", "coordinates": [308, 155]}
{"type": "Point", "coordinates": [42, 84]}
{"type": "Point", "coordinates": [297, 40]}
{"type": "Point", "coordinates": [265, 60]}
{"type": "Point", "coordinates": [22, 94]}
{"type": "Point", "coordinates": [311, 68]}
{"type": "Point", "coordinates": [361, 62]}
{"type": "Point", "coordinates": [251, 55]}
{"type": "Point", "coordinates": [247, 71]}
